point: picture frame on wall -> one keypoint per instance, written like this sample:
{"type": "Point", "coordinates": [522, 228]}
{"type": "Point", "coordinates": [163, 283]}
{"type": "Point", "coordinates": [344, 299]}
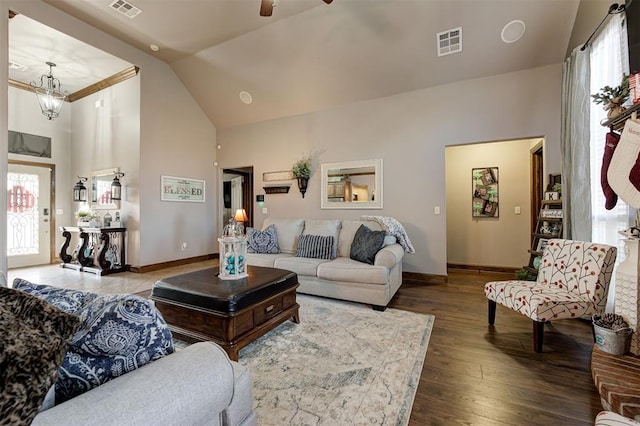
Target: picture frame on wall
{"type": "Point", "coordinates": [484, 192]}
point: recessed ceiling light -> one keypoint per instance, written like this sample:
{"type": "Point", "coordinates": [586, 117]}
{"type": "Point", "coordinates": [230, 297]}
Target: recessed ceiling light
{"type": "Point", "coordinates": [154, 47]}
{"type": "Point", "coordinates": [246, 97]}
{"type": "Point", "coordinates": [513, 31]}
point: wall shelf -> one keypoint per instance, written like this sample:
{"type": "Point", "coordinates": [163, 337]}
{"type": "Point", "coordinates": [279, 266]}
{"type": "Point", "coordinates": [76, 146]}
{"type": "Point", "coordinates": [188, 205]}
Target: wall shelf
{"type": "Point", "coordinates": [618, 122]}
{"type": "Point", "coordinates": [279, 189]}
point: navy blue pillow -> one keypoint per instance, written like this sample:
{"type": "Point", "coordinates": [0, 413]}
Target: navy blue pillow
{"type": "Point", "coordinates": [263, 241]}
{"type": "Point", "coordinates": [366, 243]}
{"type": "Point", "coordinates": [118, 333]}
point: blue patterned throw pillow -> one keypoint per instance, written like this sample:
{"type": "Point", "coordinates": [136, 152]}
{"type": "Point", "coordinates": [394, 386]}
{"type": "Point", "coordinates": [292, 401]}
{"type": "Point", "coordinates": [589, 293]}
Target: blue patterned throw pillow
{"type": "Point", "coordinates": [315, 246]}
{"type": "Point", "coordinates": [263, 241]}
{"type": "Point", "coordinates": [118, 334]}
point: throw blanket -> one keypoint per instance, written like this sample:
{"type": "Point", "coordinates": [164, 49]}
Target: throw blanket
{"type": "Point", "coordinates": [395, 228]}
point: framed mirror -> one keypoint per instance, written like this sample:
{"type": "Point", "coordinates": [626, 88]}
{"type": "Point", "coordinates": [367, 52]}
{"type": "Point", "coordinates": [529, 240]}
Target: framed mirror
{"type": "Point", "coordinates": [100, 189]}
{"type": "Point", "coordinates": [352, 185]}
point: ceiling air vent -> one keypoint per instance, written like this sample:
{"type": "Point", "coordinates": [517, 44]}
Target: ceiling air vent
{"type": "Point", "coordinates": [126, 8]}
{"type": "Point", "coordinates": [449, 41]}
{"type": "Point", "coordinates": [15, 66]}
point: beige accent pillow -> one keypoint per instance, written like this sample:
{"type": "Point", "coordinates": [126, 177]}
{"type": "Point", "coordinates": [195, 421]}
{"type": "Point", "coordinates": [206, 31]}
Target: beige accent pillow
{"type": "Point", "coordinates": [288, 232]}
{"type": "Point", "coordinates": [324, 228]}
{"type": "Point", "coordinates": [348, 231]}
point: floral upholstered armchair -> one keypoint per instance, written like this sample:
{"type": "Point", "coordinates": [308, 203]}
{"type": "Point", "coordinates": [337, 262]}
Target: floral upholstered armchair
{"type": "Point", "coordinates": [573, 281]}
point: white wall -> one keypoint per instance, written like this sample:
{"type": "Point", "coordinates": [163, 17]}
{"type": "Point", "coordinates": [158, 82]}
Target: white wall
{"type": "Point", "coordinates": [410, 132]}
{"type": "Point", "coordinates": [176, 138]}
{"type": "Point", "coordinates": [25, 116]}
{"type": "Point", "coordinates": [501, 241]}
{"type": "Point", "coordinates": [108, 137]}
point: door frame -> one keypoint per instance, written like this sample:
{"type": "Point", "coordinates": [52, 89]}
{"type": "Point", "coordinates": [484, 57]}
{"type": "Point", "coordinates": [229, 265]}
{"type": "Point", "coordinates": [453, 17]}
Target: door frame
{"type": "Point", "coordinates": [52, 201]}
{"type": "Point", "coordinates": [537, 183]}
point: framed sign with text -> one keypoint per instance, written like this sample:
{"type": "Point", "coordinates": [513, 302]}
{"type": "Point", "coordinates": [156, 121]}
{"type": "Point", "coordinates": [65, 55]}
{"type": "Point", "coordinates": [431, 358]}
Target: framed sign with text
{"type": "Point", "coordinates": [181, 189]}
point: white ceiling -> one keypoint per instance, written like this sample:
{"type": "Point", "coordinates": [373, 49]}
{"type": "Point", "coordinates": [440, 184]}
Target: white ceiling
{"type": "Point", "coordinates": [310, 56]}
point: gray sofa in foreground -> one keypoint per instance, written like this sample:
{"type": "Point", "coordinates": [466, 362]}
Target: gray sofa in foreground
{"type": "Point", "coordinates": [340, 277]}
{"type": "Point", "coordinates": [197, 385]}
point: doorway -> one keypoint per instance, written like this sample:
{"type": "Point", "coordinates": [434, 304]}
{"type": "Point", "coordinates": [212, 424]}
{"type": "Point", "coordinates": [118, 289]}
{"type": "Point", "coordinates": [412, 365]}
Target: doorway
{"type": "Point", "coordinates": [237, 193]}
{"type": "Point", "coordinates": [537, 185]}
{"type": "Point", "coordinates": [30, 238]}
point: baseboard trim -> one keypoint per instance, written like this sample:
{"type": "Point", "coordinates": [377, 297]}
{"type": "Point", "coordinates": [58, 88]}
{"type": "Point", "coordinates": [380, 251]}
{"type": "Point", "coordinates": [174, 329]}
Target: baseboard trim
{"type": "Point", "coordinates": [425, 278]}
{"type": "Point", "coordinates": [179, 262]}
{"type": "Point", "coordinates": [483, 268]}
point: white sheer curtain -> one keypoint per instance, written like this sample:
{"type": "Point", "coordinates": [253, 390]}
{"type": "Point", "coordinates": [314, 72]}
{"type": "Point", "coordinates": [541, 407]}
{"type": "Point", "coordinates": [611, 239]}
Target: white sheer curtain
{"type": "Point", "coordinates": [574, 143]}
{"type": "Point", "coordinates": [608, 62]}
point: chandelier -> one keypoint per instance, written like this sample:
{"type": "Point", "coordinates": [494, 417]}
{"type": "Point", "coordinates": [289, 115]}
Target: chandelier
{"type": "Point", "coordinates": [49, 94]}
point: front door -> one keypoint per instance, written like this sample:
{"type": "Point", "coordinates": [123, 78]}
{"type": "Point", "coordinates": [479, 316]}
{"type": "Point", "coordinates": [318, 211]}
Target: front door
{"type": "Point", "coordinates": [28, 215]}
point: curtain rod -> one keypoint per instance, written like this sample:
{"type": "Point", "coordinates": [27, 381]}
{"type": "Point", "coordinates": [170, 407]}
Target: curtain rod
{"type": "Point", "coordinates": [614, 9]}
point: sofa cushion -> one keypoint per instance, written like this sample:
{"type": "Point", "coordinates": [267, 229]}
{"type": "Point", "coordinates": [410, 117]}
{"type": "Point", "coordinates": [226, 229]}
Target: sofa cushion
{"type": "Point", "coordinates": [324, 227]}
{"type": "Point", "coordinates": [266, 260]}
{"type": "Point", "coordinates": [287, 230]}
{"type": "Point", "coordinates": [118, 334]}
{"type": "Point", "coordinates": [349, 270]}
{"type": "Point", "coordinates": [262, 241]}
{"type": "Point", "coordinates": [366, 244]}
{"type": "Point", "coordinates": [315, 246]}
{"type": "Point", "coordinates": [300, 265]}
{"type": "Point", "coordinates": [348, 231]}
{"type": "Point", "coordinates": [35, 336]}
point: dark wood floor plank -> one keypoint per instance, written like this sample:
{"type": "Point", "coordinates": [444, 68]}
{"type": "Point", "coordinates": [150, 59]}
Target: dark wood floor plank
{"type": "Point", "coordinates": [475, 374]}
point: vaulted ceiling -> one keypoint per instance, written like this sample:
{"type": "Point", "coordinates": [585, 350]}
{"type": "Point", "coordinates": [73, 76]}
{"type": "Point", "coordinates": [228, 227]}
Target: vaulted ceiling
{"type": "Point", "coordinates": [311, 56]}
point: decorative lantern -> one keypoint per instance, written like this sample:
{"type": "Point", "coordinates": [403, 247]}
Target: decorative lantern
{"type": "Point", "coordinates": [233, 252]}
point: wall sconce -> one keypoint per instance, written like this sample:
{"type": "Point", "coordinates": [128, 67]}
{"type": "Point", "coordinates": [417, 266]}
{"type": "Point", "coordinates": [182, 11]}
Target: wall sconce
{"type": "Point", "coordinates": [116, 187]}
{"type": "Point", "coordinates": [79, 190]}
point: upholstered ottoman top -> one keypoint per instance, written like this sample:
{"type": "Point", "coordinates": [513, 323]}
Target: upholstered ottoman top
{"type": "Point", "coordinates": [205, 290]}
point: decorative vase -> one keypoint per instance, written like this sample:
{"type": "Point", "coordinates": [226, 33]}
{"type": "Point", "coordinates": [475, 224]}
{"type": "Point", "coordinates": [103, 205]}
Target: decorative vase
{"type": "Point", "coordinates": [302, 185]}
{"type": "Point", "coordinates": [614, 110]}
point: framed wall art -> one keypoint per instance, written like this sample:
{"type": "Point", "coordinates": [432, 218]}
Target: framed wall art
{"type": "Point", "coordinates": [181, 189]}
{"type": "Point", "coordinates": [484, 198]}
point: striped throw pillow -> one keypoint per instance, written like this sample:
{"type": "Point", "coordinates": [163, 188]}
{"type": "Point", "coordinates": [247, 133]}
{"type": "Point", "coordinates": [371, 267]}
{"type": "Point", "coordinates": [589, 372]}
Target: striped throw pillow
{"type": "Point", "coordinates": [315, 246]}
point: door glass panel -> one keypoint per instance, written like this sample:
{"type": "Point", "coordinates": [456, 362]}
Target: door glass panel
{"type": "Point", "coordinates": [22, 214]}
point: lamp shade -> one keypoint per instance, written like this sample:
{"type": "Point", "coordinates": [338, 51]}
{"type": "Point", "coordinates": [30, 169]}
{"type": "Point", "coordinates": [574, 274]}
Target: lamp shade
{"type": "Point", "coordinates": [241, 216]}
{"type": "Point", "coordinates": [79, 190]}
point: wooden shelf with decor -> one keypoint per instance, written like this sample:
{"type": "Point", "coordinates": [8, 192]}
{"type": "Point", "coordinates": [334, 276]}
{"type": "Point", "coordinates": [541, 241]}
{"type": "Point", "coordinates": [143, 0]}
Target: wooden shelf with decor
{"type": "Point", "coordinates": [548, 225]}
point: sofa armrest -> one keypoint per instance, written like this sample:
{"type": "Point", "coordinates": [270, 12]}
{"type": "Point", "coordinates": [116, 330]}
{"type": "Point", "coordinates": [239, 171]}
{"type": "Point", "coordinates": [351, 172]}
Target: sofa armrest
{"type": "Point", "coordinates": [389, 256]}
{"type": "Point", "coordinates": [191, 386]}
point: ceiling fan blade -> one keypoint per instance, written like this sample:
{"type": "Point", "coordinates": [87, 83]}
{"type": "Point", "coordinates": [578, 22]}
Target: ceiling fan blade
{"type": "Point", "coordinates": [266, 8]}
{"type": "Point", "coordinates": [327, 1]}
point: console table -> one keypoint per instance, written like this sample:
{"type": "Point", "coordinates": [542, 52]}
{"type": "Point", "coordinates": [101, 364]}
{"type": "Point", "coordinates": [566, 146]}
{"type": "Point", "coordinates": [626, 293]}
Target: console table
{"type": "Point", "coordinates": [100, 251]}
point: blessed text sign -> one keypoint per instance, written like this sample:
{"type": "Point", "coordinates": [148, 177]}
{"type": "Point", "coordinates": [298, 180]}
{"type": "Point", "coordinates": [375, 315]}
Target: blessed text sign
{"type": "Point", "coordinates": [181, 189]}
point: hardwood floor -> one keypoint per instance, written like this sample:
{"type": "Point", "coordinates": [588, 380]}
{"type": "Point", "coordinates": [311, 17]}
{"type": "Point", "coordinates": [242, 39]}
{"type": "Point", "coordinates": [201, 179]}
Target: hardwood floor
{"type": "Point", "coordinates": [473, 374]}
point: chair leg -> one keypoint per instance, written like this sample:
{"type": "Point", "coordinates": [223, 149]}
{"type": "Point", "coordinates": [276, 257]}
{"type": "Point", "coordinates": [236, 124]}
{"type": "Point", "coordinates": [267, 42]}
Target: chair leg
{"type": "Point", "coordinates": [538, 334]}
{"type": "Point", "coordinates": [492, 312]}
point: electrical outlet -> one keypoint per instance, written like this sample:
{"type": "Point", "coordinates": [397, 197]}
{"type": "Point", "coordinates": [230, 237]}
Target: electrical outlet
{"type": "Point", "coordinates": [516, 210]}
{"type": "Point", "coordinates": [436, 210]}
{"type": "Point", "coordinates": [183, 247]}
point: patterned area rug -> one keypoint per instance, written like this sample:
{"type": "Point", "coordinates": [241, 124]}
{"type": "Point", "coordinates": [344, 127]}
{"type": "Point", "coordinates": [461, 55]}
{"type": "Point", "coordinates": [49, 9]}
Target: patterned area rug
{"type": "Point", "coordinates": [343, 364]}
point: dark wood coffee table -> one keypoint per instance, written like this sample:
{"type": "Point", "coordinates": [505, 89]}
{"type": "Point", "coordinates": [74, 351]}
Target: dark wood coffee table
{"type": "Point", "coordinates": [198, 306]}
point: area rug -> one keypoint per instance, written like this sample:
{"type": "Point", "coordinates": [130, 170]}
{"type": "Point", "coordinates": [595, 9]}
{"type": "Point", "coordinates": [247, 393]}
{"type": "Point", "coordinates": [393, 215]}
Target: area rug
{"type": "Point", "coordinates": [344, 364]}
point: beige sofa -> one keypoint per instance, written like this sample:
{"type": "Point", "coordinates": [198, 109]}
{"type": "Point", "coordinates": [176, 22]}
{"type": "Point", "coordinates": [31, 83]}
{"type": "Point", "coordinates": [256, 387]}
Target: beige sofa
{"type": "Point", "coordinates": [342, 277]}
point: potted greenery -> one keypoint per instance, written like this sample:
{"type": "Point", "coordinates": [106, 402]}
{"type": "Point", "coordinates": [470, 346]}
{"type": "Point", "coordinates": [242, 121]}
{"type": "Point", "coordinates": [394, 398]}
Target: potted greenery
{"type": "Point", "coordinates": [302, 172]}
{"type": "Point", "coordinates": [613, 98]}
